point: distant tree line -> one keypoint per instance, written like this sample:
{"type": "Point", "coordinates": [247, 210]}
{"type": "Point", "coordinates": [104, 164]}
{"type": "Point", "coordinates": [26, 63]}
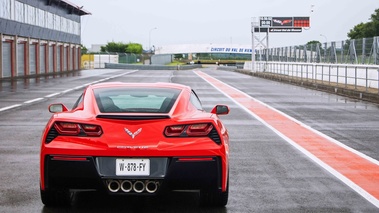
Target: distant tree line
{"type": "Point", "coordinates": [122, 47]}
{"type": "Point", "coordinates": [366, 30]}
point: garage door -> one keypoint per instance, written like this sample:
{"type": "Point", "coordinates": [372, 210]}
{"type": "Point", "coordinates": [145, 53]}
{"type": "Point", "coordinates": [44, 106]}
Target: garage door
{"type": "Point", "coordinates": [21, 59]}
{"type": "Point", "coordinates": [65, 58]}
{"type": "Point", "coordinates": [51, 59]}
{"type": "Point", "coordinates": [59, 58]}
{"type": "Point", "coordinates": [32, 59]}
{"type": "Point", "coordinates": [71, 59]}
{"type": "Point", "coordinates": [42, 59]}
{"type": "Point", "coordinates": [7, 67]}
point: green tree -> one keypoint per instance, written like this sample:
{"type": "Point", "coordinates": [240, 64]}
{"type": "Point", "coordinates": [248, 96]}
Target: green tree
{"type": "Point", "coordinates": [314, 42]}
{"type": "Point", "coordinates": [366, 30]}
{"type": "Point", "coordinates": [84, 49]}
{"type": "Point", "coordinates": [134, 48]}
{"type": "Point", "coordinates": [114, 47]}
{"type": "Point", "coordinates": [120, 47]}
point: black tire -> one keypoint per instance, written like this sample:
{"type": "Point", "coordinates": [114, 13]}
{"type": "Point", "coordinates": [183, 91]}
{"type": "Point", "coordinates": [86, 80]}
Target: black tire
{"type": "Point", "coordinates": [60, 197]}
{"type": "Point", "coordinates": [215, 198]}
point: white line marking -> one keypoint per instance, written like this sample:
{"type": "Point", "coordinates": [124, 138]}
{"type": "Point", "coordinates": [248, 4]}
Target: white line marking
{"type": "Point", "coordinates": [67, 90]}
{"type": "Point", "coordinates": [9, 107]}
{"type": "Point", "coordinates": [52, 95]}
{"type": "Point", "coordinates": [33, 100]}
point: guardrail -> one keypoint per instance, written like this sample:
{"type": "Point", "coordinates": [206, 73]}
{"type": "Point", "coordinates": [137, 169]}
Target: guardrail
{"type": "Point", "coordinates": [353, 76]}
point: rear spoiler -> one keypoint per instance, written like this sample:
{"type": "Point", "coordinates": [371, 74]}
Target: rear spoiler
{"type": "Point", "coordinates": [133, 117]}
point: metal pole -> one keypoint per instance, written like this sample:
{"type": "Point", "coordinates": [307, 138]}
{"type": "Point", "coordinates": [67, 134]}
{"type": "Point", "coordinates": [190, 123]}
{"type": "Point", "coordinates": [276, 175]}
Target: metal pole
{"type": "Point", "coordinates": [267, 47]}
{"type": "Point", "coordinates": [252, 49]}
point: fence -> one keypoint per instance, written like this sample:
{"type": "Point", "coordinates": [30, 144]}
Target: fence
{"type": "Point", "coordinates": [359, 51]}
{"type": "Point", "coordinates": [353, 76]}
{"type": "Point", "coordinates": [98, 60]}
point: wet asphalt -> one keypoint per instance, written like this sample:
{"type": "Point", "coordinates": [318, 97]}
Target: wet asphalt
{"type": "Point", "coordinates": [266, 173]}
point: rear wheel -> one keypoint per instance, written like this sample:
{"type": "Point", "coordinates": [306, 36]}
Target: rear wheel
{"type": "Point", "coordinates": [61, 197]}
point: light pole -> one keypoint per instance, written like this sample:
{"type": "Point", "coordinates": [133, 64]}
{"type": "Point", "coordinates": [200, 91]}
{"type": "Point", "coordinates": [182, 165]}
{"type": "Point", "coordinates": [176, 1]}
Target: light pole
{"type": "Point", "coordinates": [326, 39]}
{"type": "Point", "coordinates": [326, 45]}
{"type": "Point", "coordinates": [150, 37]}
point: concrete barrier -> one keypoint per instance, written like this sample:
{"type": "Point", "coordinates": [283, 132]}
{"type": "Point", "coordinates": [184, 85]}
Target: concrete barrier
{"type": "Point", "coordinates": [151, 67]}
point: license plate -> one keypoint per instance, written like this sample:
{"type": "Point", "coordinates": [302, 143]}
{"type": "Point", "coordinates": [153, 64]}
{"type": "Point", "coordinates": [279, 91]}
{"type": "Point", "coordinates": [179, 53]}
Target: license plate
{"type": "Point", "coordinates": [133, 167]}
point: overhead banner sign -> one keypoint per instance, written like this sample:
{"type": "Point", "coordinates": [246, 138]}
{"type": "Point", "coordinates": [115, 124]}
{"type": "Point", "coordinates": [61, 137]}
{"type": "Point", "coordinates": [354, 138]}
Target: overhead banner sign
{"type": "Point", "coordinates": [282, 24]}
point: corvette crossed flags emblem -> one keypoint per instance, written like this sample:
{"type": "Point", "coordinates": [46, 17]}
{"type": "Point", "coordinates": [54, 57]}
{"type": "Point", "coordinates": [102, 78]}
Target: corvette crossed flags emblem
{"type": "Point", "coordinates": [131, 134]}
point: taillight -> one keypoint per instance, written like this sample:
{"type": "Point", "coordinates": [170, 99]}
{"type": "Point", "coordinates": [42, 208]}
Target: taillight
{"type": "Point", "coordinates": [199, 129]}
{"type": "Point", "coordinates": [189, 130]}
{"type": "Point", "coordinates": [174, 131]}
{"type": "Point", "coordinates": [92, 130]}
{"type": "Point", "coordinates": [65, 128]}
{"type": "Point", "coordinates": [76, 129]}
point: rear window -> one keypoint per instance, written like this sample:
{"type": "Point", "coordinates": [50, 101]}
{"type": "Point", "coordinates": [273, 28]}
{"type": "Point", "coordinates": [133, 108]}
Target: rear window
{"type": "Point", "coordinates": [136, 100]}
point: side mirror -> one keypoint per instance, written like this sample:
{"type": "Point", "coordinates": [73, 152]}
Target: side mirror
{"type": "Point", "coordinates": [54, 108]}
{"type": "Point", "coordinates": [220, 110]}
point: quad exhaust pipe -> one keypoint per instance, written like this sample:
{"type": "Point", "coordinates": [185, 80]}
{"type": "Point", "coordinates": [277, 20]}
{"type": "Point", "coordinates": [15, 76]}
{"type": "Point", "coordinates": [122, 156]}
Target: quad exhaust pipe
{"type": "Point", "coordinates": [152, 186]}
{"type": "Point", "coordinates": [137, 186]}
{"type": "Point", "coordinates": [126, 186]}
{"type": "Point", "coordinates": [114, 185]}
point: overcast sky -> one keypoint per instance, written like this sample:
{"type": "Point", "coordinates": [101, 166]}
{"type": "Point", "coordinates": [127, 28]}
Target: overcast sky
{"type": "Point", "coordinates": [215, 21]}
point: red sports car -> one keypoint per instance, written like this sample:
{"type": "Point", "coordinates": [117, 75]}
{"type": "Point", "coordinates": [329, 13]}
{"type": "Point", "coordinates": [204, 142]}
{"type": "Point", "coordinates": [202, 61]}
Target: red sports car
{"type": "Point", "coordinates": [135, 138]}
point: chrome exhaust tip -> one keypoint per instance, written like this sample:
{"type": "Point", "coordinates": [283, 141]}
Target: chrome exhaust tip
{"type": "Point", "coordinates": [151, 186]}
{"type": "Point", "coordinates": [138, 186]}
{"type": "Point", "coordinates": [113, 185]}
{"type": "Point", "coordinates": [126, 186]}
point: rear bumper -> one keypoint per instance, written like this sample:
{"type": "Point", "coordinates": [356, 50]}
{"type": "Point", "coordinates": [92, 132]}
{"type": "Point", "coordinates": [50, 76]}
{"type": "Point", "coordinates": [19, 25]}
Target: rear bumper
{"type": "Point", "coordinates": [173, 173]}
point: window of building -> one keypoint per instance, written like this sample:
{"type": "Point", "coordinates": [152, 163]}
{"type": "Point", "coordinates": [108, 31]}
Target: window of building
{"type": "Point", "coordinates": [40, 18]}
{"type": "Point", "coordinates": [30, 13]}
{"type": "Point", "coordinates": [6, 8]}
{"type": "Point", "coordinates": [50, 20]}
{"type": "Point", "coordinates": [19, 12]}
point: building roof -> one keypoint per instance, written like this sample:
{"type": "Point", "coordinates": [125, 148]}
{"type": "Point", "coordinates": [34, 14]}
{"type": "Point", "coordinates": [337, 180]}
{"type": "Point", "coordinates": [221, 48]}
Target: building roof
{"type": "Point", "coordinates": [71, 6]}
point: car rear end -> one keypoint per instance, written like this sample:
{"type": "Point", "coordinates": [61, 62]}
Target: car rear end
{"type": "Point", "coordinates": [135, 153]}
